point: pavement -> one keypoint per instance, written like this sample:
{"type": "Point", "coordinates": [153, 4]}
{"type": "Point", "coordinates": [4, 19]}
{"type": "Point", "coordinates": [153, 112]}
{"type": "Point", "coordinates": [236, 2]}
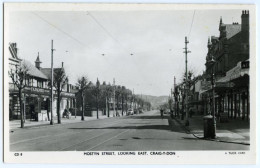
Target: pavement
{"type": "Point", "coordinates": [233, 131]}
{"type": "Point", "coordinates": [16, 124]}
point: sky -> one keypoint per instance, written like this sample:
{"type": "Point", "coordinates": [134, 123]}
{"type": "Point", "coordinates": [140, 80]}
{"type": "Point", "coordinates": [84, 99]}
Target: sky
{"type": "Point", "coordinates": [142, 50]}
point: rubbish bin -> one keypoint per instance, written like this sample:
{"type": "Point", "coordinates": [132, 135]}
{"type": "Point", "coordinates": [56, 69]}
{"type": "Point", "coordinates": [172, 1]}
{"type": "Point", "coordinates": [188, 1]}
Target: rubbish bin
{"type": "Point", "coordinates": [209, 131]}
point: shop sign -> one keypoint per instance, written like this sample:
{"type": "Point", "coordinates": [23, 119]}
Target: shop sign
{"type": "Point", "coordinates": [206, 85]}
{"type": "Point", "coordinates": [68, 94]}
{"type": "Point", "coordinates": [225, 84]}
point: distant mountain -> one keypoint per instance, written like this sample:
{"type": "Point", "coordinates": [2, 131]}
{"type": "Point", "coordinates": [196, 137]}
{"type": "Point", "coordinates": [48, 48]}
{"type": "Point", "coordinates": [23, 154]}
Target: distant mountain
{"type": "Point", "coordinates": [156, 101]}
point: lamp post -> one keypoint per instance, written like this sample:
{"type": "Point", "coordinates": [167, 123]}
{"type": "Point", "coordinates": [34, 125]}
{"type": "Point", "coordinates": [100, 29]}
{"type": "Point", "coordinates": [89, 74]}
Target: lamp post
{"type": "Point", "coordinates": [51, 122]}
{"type": "Point", "coordinates": [212, 63]}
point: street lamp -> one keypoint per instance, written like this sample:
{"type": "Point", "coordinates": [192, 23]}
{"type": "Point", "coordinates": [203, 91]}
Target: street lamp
{"type": "Point", "coordinates": [212, 63]}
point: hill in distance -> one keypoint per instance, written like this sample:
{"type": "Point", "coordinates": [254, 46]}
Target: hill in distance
{"type": "Point", "coordinates": [155, 101]}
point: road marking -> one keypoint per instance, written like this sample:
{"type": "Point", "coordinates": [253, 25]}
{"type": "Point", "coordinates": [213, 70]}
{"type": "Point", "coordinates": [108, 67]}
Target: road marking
{"type": "Point", "coordinates": [89, 138]}
{"type": "Point", "coordinates": [54, 128]}
{"type": "Point", "coordinates": [31, 139]}
{"type": "Point", "coordinates": [109, 124]}
{"type": "Point", "coordinates": [107, 140]}
{"type": "Point", "coordinates": [85, 140]}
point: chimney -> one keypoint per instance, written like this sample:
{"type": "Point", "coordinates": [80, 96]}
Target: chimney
{"type": "Point", "coordinates": [245, 21]}
{"type": "Point", "coordinates": [62, 64]}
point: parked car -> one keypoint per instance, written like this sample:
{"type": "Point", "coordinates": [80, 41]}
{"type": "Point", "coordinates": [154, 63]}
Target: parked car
{"type": "Point", "coordinates": [130, 112]}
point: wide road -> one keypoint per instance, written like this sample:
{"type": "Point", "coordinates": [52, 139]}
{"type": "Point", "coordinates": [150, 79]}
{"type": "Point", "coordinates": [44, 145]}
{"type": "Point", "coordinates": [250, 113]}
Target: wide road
{"type": "Point", "coordinates": [146, 131]}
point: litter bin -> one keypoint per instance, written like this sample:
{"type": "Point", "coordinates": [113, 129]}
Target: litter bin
{"type": "Point", "coordinates": [209, 131]}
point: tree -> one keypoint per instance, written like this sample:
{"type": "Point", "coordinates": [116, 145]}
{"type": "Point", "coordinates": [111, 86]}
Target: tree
{"type": "Point", "coordinates": [82, 84]}
{"type": "Point", "coordinates": [60, 79]}
{"type": "Point", "coordinates": [190, 76]}
{"type": "Point", "coordinates": [97, 92]}
{"type": "Point", "coordinates": [117, 97]}
{"type": "Point", "coordinates": [108, 91]}
{"type": "Point", "coordinates": [170, 102]}
{"type": "Point", "coordinates": [123, 93]}
{"type": "Point", "coordinates": [18, 77]}
{"type": "Point", "coordinates": [127, 96]}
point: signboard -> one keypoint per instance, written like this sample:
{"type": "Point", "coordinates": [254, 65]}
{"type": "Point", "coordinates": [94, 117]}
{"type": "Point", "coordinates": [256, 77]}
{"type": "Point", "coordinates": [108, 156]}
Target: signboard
{"type": "Point", "coordinates": [205, 85]}
{"type": "Point", "coordinates": [225, 84]}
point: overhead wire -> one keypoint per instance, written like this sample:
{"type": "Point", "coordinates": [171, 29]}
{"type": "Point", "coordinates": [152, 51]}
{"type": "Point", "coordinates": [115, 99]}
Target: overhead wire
{"type": "Point", "coordinates": [105, 30]}
{"type": "Point", "coordinates": [110, 35]}
{"type": "Point", "coordinates": [191, 23]}
{"type": "Point", "coordinates": [65, 33]}
{"type": "Point", "coordinates": [62, 31]}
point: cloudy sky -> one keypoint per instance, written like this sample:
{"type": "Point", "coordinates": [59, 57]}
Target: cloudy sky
{"type": "Point", "coordinates": [142, 50]}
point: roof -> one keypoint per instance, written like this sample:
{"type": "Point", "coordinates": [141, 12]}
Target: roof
{"type": "Point", "coordinates": [33, 71]}
{"type": "Point", "coordinates": [47, 71]}
{"type": "Point", "coordinates": [232, 29]}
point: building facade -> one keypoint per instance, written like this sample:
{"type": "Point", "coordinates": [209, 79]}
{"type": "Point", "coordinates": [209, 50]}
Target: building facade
{"type": "Point", "coordinates": [227, 67]}
{"type": "Point", "coordinates": [37, 93]}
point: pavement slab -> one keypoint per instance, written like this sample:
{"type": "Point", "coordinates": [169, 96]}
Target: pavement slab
{"type": "Point", "coordinates": [234, 131]}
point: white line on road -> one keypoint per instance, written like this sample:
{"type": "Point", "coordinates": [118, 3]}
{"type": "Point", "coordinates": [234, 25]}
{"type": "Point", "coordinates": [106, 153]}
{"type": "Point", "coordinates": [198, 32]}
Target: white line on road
{"type": "Point", "coordinates": [108, 140]}
{"type": "Point", "coordinates": [91, 138]}
{"type": "Point", "coordinates": [85, 140]}
{"type": "Point", "coordinates": [31, 139]}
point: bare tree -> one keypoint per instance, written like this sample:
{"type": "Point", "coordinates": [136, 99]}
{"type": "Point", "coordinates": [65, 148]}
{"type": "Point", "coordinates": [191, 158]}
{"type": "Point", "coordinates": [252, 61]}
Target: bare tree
{"type": "Point", "coordinates": [97, 93]}
{"type": "Point", "coordinates": [18, 77]}
{"type": "Point", "coordinates": [123, 93]}
{"type": "Point", "coordinates": [118, 93]}
{"type": "Point", "coordinates": [60, 80]}
{"type": "Point", "coordinates": [82, 84]}
{"type": "Point", "coordinates": [108, 93]}
{"type": "Point", "coordinates": [127, 96]}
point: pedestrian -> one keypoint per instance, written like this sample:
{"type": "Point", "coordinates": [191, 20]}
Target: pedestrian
{"type": "Point", "coordinates": [161, 111]}
{"type": "Point", "coordinates": [172, 114]}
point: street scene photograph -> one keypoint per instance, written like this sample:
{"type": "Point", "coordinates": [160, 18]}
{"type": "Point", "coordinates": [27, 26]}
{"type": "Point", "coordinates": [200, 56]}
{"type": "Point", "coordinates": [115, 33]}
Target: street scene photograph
{"type": "Point", "coordinates": [126, 79]}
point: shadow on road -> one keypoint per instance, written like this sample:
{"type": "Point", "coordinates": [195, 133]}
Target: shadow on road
{"type": "Point", "coordinates": [156, 127]}
{"type": "Point", "coordinates": [170, 127]}
{"type": "Point", "coordinates": [146, 117]}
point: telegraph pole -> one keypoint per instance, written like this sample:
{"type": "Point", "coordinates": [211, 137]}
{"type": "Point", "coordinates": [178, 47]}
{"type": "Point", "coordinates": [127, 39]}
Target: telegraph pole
{"type": "Point", "coordinates": [175, 102]}
{"type": "Point", "coordinates": [186, 82]}
{"type": "Point", "coordinates": [134, 104]}
{"type": "Point", "coordinates": [52, 82]}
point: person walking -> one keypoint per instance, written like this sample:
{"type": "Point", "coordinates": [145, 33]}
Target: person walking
{"type": "Point", "coordinates": [161, 111]}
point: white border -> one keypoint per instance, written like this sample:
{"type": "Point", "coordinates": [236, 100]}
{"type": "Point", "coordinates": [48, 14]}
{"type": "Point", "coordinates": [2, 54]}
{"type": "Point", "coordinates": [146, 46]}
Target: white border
{"type": "Point", "coordinates": [194, 157]}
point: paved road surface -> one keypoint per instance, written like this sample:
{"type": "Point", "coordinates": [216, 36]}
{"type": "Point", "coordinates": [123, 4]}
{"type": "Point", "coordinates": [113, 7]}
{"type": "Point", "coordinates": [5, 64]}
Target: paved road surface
{"type": "Point", "coordinates": [131, 133]}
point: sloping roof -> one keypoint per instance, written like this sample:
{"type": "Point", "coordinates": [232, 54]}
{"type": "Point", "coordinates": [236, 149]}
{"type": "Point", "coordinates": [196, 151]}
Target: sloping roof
{"type": "Point", "coordinates": [47, 71]}
{"type": "Point", "coordinates": [33, 71]}
{"type": "Point", "coordinates": [232, 29]}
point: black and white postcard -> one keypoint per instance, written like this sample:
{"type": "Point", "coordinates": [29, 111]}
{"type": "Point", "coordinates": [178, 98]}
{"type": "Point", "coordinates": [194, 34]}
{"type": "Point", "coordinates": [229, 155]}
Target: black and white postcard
{"type": "Point", "coordinates": [129, 83]}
